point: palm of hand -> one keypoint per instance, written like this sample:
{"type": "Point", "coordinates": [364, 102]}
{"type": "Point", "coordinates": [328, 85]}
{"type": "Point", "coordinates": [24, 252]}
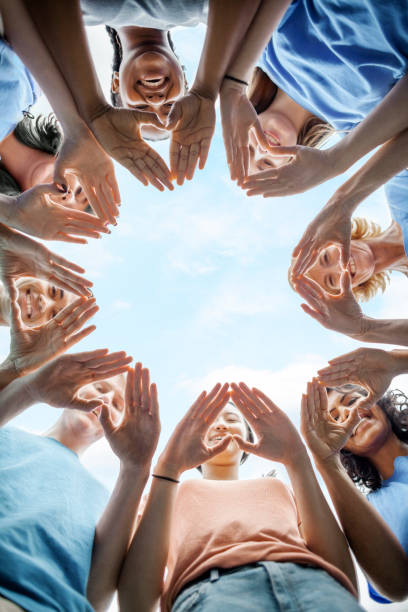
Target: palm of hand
{"type": "Point", "coordinates": [326, 438]}
{"type": "Point", "coordinates": [131, 440]}
{"type": "Point", "coordinates": [197, 121]}
{"type": "Point", "coordinates": [343, 314]}
{"type": "Point", "coordinates": [309, 168]}
{"type": "Point", "coordinates": [37, 216]}
{"type": "Point", "coordinates": [31, 347]}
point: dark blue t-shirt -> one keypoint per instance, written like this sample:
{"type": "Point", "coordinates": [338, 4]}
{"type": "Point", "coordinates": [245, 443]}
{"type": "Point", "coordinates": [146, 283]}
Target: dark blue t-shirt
{"type": "Point", "coordinates": [49, 507]}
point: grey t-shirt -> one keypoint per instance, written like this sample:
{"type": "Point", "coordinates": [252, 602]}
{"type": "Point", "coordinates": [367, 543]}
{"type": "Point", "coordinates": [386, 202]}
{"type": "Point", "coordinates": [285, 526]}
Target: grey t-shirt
{"type": "Point", "coordinates": [159, 14]}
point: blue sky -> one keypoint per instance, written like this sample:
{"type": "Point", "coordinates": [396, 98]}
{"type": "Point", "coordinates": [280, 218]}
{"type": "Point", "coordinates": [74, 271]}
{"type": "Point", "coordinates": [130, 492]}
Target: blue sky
{"type": "Point", "coordinates": [193, 283]}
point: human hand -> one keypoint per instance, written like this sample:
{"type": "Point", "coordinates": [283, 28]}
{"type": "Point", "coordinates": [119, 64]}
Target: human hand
{"type": "Point", "coordinates": [238, 117]}
{"type": "Point", "coordinates": [186, 448]}
{"type": "Point", "coordinates": [308, 168]}
{"type": "Point", "coordinates": [82, 157]}
{"type": "Point", "coordinates": [118, 132]}
{"type": "Point", "coordinates": [23, 256]}
{"type": "Point", "coordinates": [373, 369]}
{"type": "Point", "coordinates": [331, 226]}
{"type": "Point", "coordinates": [32, 347]}
{"type": "Point", "coordinates": [192, 121]}
{"type": "Point", "coordinates": [58, 383]}
{"type": "Point", "coordinates": [324, 435]}
{"type": "Point", "coordinates": [36, 213]}
{"type": "Point", "coordinates": [278, 438]}
{"type": "Point", "coordinates": [337, 312]}
{"type": "Point", "coordinates": [135, 438]}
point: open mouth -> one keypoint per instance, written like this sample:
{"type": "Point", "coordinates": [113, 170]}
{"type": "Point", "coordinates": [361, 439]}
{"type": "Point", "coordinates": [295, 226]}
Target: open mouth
{"type": "Point", "coordinates": [28, 303]}
{"type": "Point", "coordinates": [153, 83]}
{"type": "Point", "coordinates": [363, 421]}
{"type": "Point", "coordinates": [352, 267]}
{"type": "Point", "coordinates": [272, 139]}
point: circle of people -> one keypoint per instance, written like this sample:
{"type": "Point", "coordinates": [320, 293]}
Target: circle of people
{"type": "Point", "coordinates": [287, 75]}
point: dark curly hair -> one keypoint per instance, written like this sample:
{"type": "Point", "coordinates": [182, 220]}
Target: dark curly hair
{"type": "Point", "coordinates": [41, 133]}
{"type": "Point", "coordinates": [117, 60]}
{"type": "Point", "coordinates": [261, 93]}
{"type": "Point", "coordinates": [360, 469]}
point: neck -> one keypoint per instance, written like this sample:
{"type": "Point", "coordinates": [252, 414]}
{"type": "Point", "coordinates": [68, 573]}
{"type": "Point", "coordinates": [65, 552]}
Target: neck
{"type": "Point", "coordinates": [388, 248]}
{"type": "Point", "coordinates": [220, 472]}
{"type": "Point", "coordinates": [68, 438]}
{"type": "Point", "coordinates": [383, 458]}
{"type": "Point", "coordinates": [132, 37]}
{"type": "Point", "coordinates": [4, 306]}
{"type": "Point", "coordinates": [283, 103]}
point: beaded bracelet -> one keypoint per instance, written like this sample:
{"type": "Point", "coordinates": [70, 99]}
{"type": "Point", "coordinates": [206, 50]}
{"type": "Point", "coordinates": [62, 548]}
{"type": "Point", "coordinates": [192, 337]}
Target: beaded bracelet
{"type": "Point", "coordinates": [165, 478]}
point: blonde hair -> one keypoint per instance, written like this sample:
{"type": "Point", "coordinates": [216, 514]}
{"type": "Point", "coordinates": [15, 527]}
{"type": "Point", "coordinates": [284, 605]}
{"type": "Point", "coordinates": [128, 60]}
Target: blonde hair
{"type": "Point", "coordinates": [361, 229]}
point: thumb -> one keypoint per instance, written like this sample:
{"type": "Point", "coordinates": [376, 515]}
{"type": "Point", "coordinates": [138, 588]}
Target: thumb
{"type": "Point", "coordinates": [174, 116]}
{"type": "Point", "coordinates": [248, 447]}
{"type": "Point", "coordinates": [59, 179]}
{"type": "Point", "coordinates": [260, 135]}
{"type": "Point", "coordinates": [106, 421]}
{"type": "Point", "coordinates": [145, 117]}
{"type": "Point", "coordinates": [221, 446]}
{"type": "Point", "coordinates": [345, 282]}
{"type": "Point", "coordinates": [85, 405]}
{"type": "Point", "coordinates": [353, 419]}
{"type": "Point", "coordinates": [280, 151]}
{"type": "Point", "coordinates": [367, 401]}
{"type": "Point", "coordinates": [16, 321]}
{"type": "Point", "coordinates": [345, 254]}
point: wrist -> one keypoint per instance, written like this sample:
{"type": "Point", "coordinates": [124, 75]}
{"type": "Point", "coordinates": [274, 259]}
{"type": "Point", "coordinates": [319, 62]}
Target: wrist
{"type": "Point", "coordinates": [342, 156]}
{"type": "Point", "coordinates": [8, 373]}
{"type": "Point", "coordinates": [134, 471]}
{"type": "Point", "coordinates": [399, 361]}
{"type": "Point", "coordinates": [8, 209]}
{"type": "Point", "coordinates": [328, 463]}
{"type": "Point", "coordinates": [165, 467]}
{"type": "Point", "coordinates": [298, 458]}
{"type": "Point", "coordinates": [203, 90]}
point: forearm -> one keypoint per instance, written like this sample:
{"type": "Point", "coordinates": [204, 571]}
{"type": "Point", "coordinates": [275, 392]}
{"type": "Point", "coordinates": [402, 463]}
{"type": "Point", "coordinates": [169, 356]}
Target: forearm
{"type": "Point", "coordinates": [113, 535]}
{"type": "Point", "coordinates": [15, 398]}
{"type": "Point", "coordinates": [141, 578]}
{"type": "Point", "coordinates": [385, 331]}
{"type": "Point", "coordinates": [388, 119]}
{"type": "Point", "coordinates": [389, 160]}
{"type": "Point", "coordinates": [367, 533]}
{"type": "Point", "coordinates": [32, 50]}
{"type": "Point", "coordinates": [227, 24]}
{"type": "Point", "coordinates": [319, 527]}
{"type": "Point", "coordinates": [6, 209]}
{"type": "Point", "coordinates": [257, 37]}
{"type": "Point", "coordinates": [56, 22]}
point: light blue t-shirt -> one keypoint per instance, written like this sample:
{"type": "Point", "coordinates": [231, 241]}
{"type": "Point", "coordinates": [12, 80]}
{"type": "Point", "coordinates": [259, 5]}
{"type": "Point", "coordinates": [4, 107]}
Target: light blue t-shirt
{"type": "Point", "coordinates": [158, 14]}
{"type": "Point", "coordinates": [391, 501]}
{"type": "Point", "coordinates": [49, 507]}
{"type": "Point", "coordinates": [18, 89]}
{"type": "Point", "coordinates": [339, 59]}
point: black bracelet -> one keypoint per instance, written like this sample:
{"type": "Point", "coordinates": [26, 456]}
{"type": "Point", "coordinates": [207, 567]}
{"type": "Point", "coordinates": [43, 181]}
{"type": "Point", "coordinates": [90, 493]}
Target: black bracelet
{"type": "Point", "coordinates": [231, 78]}
{"type": "Point", "coordinates": [165, 478]}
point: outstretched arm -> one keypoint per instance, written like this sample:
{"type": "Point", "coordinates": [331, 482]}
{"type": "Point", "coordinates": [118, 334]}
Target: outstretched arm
{"type": "Point", "coordinates": [366, 531]}
{"type": "Point", "coordinates": [134, 441]}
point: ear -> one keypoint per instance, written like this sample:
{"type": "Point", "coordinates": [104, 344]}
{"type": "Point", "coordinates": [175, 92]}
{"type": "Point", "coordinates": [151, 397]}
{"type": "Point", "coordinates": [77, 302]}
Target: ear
{"type": "Point", "coordinates": [115, 83]}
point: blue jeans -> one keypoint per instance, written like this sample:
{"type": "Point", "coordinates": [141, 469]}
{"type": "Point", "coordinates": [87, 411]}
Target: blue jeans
{"type": "Point", "coordinates": [267, 586]}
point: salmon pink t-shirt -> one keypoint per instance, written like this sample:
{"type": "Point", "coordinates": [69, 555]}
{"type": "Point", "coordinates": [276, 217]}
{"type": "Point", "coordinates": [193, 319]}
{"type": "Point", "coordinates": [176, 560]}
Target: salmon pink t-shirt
{"type": "Point", "coordinates": [234, 522]}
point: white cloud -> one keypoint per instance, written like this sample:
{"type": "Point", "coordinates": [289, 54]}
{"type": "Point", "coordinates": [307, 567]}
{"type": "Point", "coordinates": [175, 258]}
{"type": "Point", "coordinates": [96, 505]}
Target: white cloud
{"type": "Point", "coordinates": [121, 305]}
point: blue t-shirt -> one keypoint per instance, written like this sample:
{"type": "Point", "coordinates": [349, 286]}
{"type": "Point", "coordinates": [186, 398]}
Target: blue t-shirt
{"type": "Point", "coordinates": [18, 89]}
{"type": "Point", "coordinates": [396, 191]}
{"type": "Point", "coordinates": [49, 507]}
{"type": "Point", "coordinates": [158, 14]}
{"type": "Point", "coordinates": [391, 501]}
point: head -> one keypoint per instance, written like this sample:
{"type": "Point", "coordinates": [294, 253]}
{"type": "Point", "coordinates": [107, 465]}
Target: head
{"type": "Point", "coordinates": [85, 426]}
{"type": "Point", "coordinates": [40, 300]}
{"type": "Point", "coordinates": [147, 76]}
{"type": "Point", "coordinates": [278, 124]}
{"type": "Point", "coordinates": [228, 421]}
{"type": "Point", "coordinates": [327, 269]}
{"type": "Point", "coordinates": [389, 417]}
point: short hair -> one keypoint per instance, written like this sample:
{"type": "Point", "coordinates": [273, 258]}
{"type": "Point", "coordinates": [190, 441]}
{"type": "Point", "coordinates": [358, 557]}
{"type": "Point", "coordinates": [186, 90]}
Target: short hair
{"type": "Point", "coordinates": [361, 229]}
{"type": "Point", "coordinates": [117, 60]}
{"type": "Point", "coordinates": [40, 133]}
{"type": "Point", "coordinates": [362, 472]}
{"type": "Point", "coordinates": [261, 93]}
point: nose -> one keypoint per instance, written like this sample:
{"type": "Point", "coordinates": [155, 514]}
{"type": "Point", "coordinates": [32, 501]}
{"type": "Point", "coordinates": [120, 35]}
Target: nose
{"type": "Point", "coordinates": [42, 302]}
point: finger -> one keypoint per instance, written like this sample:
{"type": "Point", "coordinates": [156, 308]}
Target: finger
{"type": "Point", "coordinates": [81, 320]}
{"type": "Point", "coordinates": [137, 391]}
{"type": "Point", "coordinates": [352, 420]}
{"type": "Point", "coordinates": [159, 168]}
{"type": "Point", "coordinates": [196, 406]}
{"type": "Point", "coordinates": [247, 447]}
{"type": "Point", "coordinates": [149, 175]}
{"type": "Point", "coordinates": [368, 401]}
{"type": "Point", "coordinates": [182, 164]}
{"type": "Point", "coordinates": [305, 260]}
{"type": "Point", "coordinates": [65, 264]}
{"type": "Point", "coordinates": [105, 357]}
{"type": "Point", "coordinates": [345, 253]}
{"type": "Point", "coordinates": [266, 400]}
{"type": "Point", "coordinates": [109, 200]}
{"type": "Point", "coordinates": [254, 402]}
{"type": "Point", "coordinates": [107, 367]}
{"type": "Point", "coordinates": [129, 390]}
{"type": "Point", "coordinates": [76, 289]}
{"type": "Point", "coordinates": [89, 355]}
{"type": "Point", "coordinates": [111, 179]}
{"type": "Point", "coordinates": [79, 336]}
{"type": "Point", "coordinates": [173, 117]}
{"type": "Point", "coordinates": [107, 373]}
{"type": "Point", "coordinates": [209, 397]}
{"type": "Point", "coordinates": [260, 136]}
{"type": "Point", "coordinates": [145, 390]}
{"type": "Point", "coordinates": [15, 312]}
{"type": "Point", "coordinates": [306, 416]}
{"type": "Point", "coordinates": [345, 282]}
{"type": "Point", "coordinates": [204, 150]}
{"type": "Point", "coordinates": [313, 313]}
{"type": "Point", "coordinates": [257, 179]}
{"type": "Point", "coordinates": [154, 411]}
{"type": "Point", "coordinates": [67, 238]}
{"type": "Point", "coordinates": [98, 203]}
{"type": "Point", "coordinates": [280, 151]}
{"type": "Point", "coordinates": [85, 405]}
{"type": "Point", "coordinates": [217, 404]}
{"type": "Point", "coordinates": [192, 160]}
{"type": "Point", "coordinates": [67, 314]}
{"type": "Point", "coordinates": [106, 421]}
{"type": "Point", "coordinates": [174, 154]}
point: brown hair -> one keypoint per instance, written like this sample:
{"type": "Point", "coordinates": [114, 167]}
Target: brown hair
{"type": "Point", "coordinates": [360, 469]}
{"type": "Point", "coordinates": [261, 92]}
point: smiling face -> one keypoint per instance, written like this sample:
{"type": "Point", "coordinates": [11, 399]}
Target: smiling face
{"type": "Point", "coordinates": [326, 271]}
{"type": "Point", "coordinates": [73, 198]}
{"type": "Point", "coordinates": [371, 432]}
{"type": "Point", "coordinates": [150, 78]}
{"type": "Point", "coordinates": [86, 425]}
{"type": "Point", "coordinates": [229, 421]}
{"type": "Point", "coordinates": [279, 131]}
{"type": "Point", "coordinates": [40, 301]}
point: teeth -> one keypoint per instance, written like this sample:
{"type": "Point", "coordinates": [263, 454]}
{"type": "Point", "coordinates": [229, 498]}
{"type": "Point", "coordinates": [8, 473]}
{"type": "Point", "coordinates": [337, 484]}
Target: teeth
{"type": "Point", "coordinates": [29, 306]}
{"type": "Point", "coordinates": [153, 83]}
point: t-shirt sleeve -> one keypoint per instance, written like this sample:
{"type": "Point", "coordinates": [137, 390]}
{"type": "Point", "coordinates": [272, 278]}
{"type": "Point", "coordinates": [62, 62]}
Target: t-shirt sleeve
{"type": "Point", "coordinates": [396, 191]}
